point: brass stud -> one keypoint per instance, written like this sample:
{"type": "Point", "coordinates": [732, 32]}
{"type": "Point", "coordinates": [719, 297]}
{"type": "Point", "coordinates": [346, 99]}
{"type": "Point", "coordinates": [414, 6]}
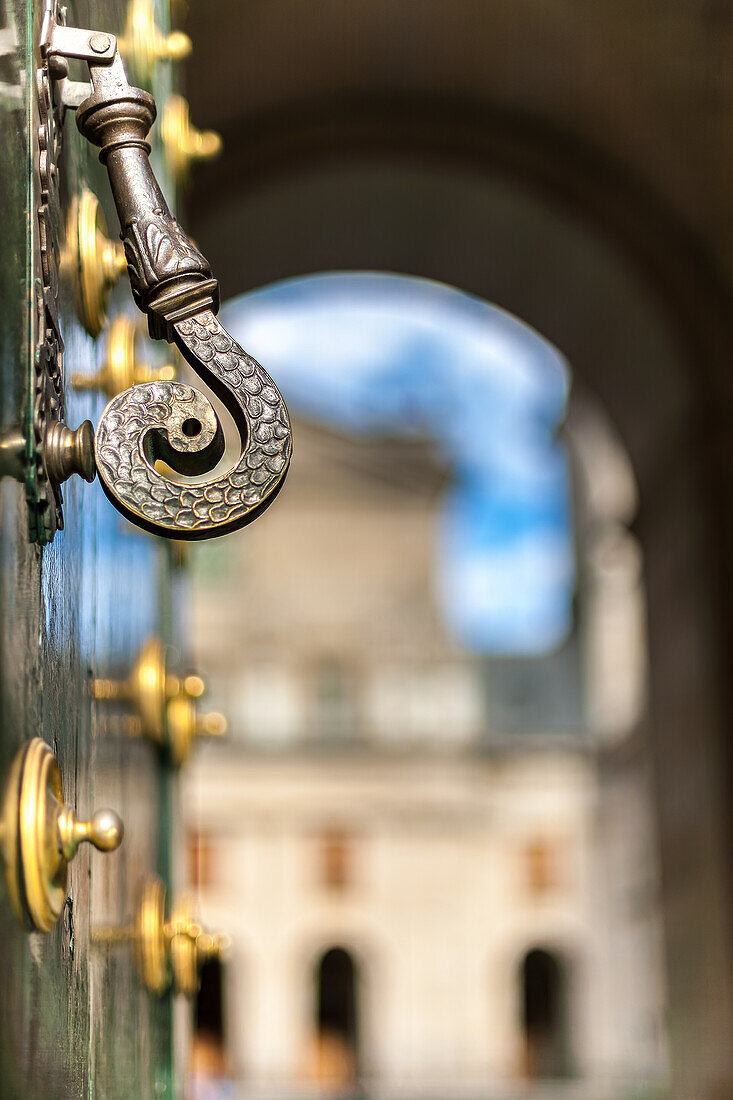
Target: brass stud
{"type": "Point", "coordinates": [182, 142]}
{"type": "Point", "coordinates": [191, 947]}
{"type": "Point", "coordinates": [93, 261]}
{"type": "Point", "coordinates": [165, 703]}
{"type": "Point", "coordinates": [122, 367]}
{"type": "Point", "coordinates": [147, 689]}
{"type": "Point", "coordinates": [185, 725]}
{"type": "Point", "coordinates": [151, 946]}
{"type": "Point", "coordinates": [166, 951]}
{"type": "Point", "coordinates": [144, 44]}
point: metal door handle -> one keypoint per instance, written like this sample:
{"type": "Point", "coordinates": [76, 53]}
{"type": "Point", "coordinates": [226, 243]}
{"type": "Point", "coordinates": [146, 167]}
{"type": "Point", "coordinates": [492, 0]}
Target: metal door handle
{"type": "Point", "coordinates": [173, 285]}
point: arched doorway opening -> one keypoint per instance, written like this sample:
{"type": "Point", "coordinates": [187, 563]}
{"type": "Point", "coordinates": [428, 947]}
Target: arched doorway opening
{"type": "Point", "coordinates": [543, 983]}
{"type": "Point", "coordinates": [374, 353]}
{"type": "Point", "coordinates": [336, 982]}
{"type": "Point", "coordinates": [208, 1054]}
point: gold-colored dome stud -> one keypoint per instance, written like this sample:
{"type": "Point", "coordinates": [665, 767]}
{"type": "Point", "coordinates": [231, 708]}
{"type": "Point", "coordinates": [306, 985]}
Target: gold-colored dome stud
{"type": "Point", "coordinates": [122, 367]}
{"type": "Point", "coordinates": [41, 836]}
{"type": "Point", "coordinates": [93, 261]}
{"type": "Point", "coordinates": [182, 142]}
{"type": "Point", "coordinates": [144, 44]}
{"type": "Point", "coordinates": [175, 46]}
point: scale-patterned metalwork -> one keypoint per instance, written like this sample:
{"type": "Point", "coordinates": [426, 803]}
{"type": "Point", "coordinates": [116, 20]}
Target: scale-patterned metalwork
{"type": "Point", "coordinates": [172, 421]}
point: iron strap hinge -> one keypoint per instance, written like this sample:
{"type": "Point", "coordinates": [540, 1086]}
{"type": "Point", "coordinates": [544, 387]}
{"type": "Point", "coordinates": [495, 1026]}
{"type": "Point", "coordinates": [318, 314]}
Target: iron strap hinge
{"type": "Point", "coordinates": [60, 43]}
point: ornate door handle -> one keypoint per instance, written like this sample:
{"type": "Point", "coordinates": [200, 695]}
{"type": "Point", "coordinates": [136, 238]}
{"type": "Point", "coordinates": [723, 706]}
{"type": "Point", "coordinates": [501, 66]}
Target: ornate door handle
{"type": "Point", "coordinates": [173, 285]}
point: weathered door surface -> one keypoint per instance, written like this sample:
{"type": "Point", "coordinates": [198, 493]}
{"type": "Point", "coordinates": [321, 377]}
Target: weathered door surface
{"type": "Point", "coordinates": [75, 1020]}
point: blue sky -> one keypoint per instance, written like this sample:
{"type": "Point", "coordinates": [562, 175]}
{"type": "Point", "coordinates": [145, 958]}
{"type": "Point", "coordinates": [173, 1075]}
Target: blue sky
{"type": "Point", "coordinates": [391, 353]}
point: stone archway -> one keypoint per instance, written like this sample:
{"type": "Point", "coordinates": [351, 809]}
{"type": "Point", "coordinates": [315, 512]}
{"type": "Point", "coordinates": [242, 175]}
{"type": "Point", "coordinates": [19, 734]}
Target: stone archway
{"type": "Point", "coordinates": [519, 215]}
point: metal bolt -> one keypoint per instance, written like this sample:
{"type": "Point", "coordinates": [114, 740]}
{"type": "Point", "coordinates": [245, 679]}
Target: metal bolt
{"type": "Point", "coordinates": [100, 43]}
{"type": "Point", "coordinates": [67, 452]}
{"type": "Point", "coordinates": [12, 454]}
{"type": "Point", "coordinates": [58, 68]}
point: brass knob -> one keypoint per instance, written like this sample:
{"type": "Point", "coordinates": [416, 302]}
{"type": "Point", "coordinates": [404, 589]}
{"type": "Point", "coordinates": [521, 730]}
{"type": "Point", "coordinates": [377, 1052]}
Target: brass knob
{"type": "Point", "coordinates": [94, 262]}
{"type": "Point", "coordinates": [41, 835]}
{"type": "Point", "coordinates": [104, 830]}
{"type": "Point", "coordinates": [122, 367]}
{"type": "Point", "coordinates": [182, 142]}
{"type": "Point", "coordinates": [166, 951]}
{"type": "Point", "coordinates": [165, 703]}
{"type": "Point", "coordinates": [147, 689]}
{"type": "Point", "coordinates": [144, 44]}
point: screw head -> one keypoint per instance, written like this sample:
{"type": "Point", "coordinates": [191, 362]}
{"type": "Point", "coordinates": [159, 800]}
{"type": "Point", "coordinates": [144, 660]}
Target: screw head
{"type": "Point", "coordinates": [99, 43]}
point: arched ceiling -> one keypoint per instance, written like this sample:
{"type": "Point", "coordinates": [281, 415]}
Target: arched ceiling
{"type": "Point", "coordinates": [645, 85]}
{"type": "Point", "coordinates": [406, 136]}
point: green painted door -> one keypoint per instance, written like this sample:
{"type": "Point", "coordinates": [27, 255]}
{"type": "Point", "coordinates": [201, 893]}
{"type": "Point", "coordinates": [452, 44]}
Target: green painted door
{"type": "Point", "coordinates": [74, 1018]}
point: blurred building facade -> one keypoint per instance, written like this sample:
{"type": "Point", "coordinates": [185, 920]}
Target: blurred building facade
{"type": "Point", "coordinates": [424, 900]}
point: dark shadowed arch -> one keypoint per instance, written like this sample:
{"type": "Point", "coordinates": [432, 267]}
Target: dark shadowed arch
{"type": "Point", "coordinates": [543, 983]}
{"type": "Point", "coordinates": [336, 1004]}
{"type": "Point", "coordinates": [209, 1007]}
{"type": "Point", "coordinates": [336, 993]}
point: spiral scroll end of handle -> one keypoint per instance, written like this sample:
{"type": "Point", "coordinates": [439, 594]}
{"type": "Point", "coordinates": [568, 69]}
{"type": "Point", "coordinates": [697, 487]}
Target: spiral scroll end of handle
{"type": "Point", "coordinates": [174, 422]}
